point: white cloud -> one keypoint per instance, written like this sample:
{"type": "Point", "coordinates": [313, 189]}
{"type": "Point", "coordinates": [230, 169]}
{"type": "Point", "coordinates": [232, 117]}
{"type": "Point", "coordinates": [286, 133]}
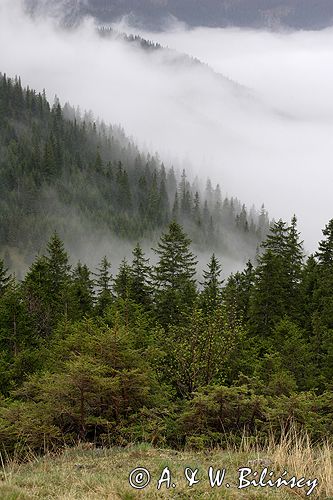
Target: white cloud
{"type": "Point", "coordinates": [273, 145]}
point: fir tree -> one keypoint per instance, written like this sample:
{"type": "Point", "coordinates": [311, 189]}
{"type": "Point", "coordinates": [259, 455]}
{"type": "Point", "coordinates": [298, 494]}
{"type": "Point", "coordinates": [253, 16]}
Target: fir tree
{"type": "Point", "coordinates": [5, 278]}
{"type": "Point", "coordinates": [123, 281]}
{"type": "Point", "coordinates": [325, 251]}
{"type": "Point", "coordinates": [103, 285]}
{"type": "Point", "coordinates": [212, 285]}
{"type": "Point", "coordinates": [58, 268]}
{"type": "Point", "coordinates": [140, 277]}
{"type": "Point", "coordinates": [174, 274]}
{"type": "Point", "coordinates": [82, 291]}
{"type": "Point", "coordinates": [277, 284]}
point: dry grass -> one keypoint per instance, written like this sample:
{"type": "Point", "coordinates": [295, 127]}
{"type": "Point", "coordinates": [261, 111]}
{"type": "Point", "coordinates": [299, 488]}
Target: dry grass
{"type": "Point", "coordinates": [97, 474]}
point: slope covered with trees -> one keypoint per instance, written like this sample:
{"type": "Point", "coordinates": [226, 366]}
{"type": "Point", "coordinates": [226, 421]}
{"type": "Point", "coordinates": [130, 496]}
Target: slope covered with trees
{"type": "Point", "coordinates": [146, 353]}
{"type": "Point", "coordinates": [61, 171]}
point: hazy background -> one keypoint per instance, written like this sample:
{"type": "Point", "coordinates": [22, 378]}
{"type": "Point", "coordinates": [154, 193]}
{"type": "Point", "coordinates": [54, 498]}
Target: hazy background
{"type": "Point", "coordinates": [269, 139]}
{"type": "Point", "coordinates": [264, 14]}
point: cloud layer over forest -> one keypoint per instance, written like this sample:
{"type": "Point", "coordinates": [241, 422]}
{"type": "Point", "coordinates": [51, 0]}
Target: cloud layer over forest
{"type": "Point", "coordinates": [268, 139]}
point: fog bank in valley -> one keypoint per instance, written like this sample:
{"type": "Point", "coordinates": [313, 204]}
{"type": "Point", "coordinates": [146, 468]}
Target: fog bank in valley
{"type": "Point", "coordinates": [264, 132]}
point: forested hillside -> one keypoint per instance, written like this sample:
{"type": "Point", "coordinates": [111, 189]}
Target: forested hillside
{"type": "Point", "coordinates": [63, 171]}
{"type": "Point", "coordinates": [145, 353]}
{"type": "Point", "coordinates": [147, 350]}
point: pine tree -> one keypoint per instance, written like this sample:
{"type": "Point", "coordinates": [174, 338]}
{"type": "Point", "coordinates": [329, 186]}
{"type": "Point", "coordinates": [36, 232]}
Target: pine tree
{"type": "Point", "coordinates": [5, 278]}
{"type": "Point", "coordinates": [197, 210]}
{"type": "Point", "coordinates": [57, 267]}
{"type": "Point", "coordinates": [123, 281]}
{"type": "Point", "coordinates": [322, 294]}
{"type": "Point", "coordinates": [47, 287]}
{"type": "Point", "coordinates": [238, 290]}
{"type": "Point", "coordinates": [175, 208]}
{"type": "Point", "coordinates": [18, 340]}
{"type": "Point", "coordinates": [103, 285]}
{"type": "Point", "coordinates": [325, 251]}
{"type": "Point", "coordinates": [277, 285]}
{"type": "Point", "coordinates": [164, 208]}
{"type": "Point", "coordinates": [174, 272]}
{"type": "Point", "coordinates": [140, 277]}
{"type": "Point", "coordinates": [82, 291]}
{"type": "Point", "coordinates": [185, 196]}
{"type": "Point", "coordinates": [212, 286]}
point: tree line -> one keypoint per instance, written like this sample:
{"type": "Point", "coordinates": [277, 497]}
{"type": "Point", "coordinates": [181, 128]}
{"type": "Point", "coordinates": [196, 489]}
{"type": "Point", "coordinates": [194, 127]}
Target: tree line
{"type": "Point", "coordinates": [151, 353]}
{"type": "Point", "coordinates": [61, 170]}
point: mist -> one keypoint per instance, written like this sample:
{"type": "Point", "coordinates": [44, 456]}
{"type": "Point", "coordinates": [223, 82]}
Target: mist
{"type": "Point", "coordinates": [257, 118]}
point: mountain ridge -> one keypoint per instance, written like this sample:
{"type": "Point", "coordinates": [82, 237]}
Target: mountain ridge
{"type": "Point", "coordinates": [61, 171]}
{"type": "Point", "coordinates": [258, 14]}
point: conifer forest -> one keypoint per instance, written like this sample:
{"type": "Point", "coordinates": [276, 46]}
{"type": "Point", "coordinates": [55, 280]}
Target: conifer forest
{"type": "Point", "coordinates": [156, 348]}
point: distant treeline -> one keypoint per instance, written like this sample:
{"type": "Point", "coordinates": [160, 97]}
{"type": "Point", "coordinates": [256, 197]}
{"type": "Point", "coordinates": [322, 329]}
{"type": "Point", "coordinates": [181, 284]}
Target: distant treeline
{"type": "Point", "coordinates": [63, 171]}
{"type": "Point", "coordinates": [149, 354]}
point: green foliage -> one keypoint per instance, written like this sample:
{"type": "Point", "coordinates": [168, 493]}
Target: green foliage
{"type": "Point", "coordinates": [212, 286]}
{"type": "Point", "coordinates": [145, 356]}
{"type": "Point", "coordinates": [174, 275]}
{"type": "Point", "coordinates": [60, 171]}
{"type": "Point", "coordinates": [220, 414]}
{"type": "Point", "coordinates": [200, 351]}
{"type": "Point", "coordinates": [5, 279]}
{"type": "Point", "coordinates": [141, 287]}
{"type": "Point", "coordinates": [96, 381]}
{"type": "Point", "coordinates": [103, 285]}
{"type": "Point", "coordinates": [277, 285]}
{"type": "Point", "coordinates": [82, 292]}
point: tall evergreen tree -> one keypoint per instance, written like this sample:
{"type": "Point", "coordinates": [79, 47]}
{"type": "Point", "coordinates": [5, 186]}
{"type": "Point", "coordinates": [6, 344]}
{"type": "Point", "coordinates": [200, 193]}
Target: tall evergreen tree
{"type": "Point", "coordinates": [321, 302]}
{"type": "Point", "coordinates": [238, 290]}
{"type": "Point", "coordinates": [82, 291]}
{"type": "Point", "coordinates": [57, 267]}
{"type": "Point", "coordinates": [47, 286]}
{"type": "Point", "coordinates": [212, 285]}
{"type": "Point", "coordinates": [5, 278]}
{"type": "Point", "coordinates": [325, 251]}
{"type": "Point", "coordinates": [140, 277]}
{"type": "Point", "coordinates": [123, 281]}
{"type": "Point", "coordinates": [277, 284]}
{"type": "Point", "coordinates": [174, 274]}
{"type": "Point", "coordinates": [103, 284]}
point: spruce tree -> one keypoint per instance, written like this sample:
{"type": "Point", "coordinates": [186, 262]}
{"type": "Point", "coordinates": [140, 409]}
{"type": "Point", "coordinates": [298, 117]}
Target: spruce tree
{"type": "Point", "coordinates": [140, 277]}
{"type": "Point", "coordinates": [57, 267]}
{"type": "Point", "coordinates": [103, 284]}
{"type": "Point", "coordinates": [212, 285]}
{"type": "Point", "coordinates": [322, 295]}
{"type": "Point", "coordinates": [325, 251]}
{"type": "Point", "coordinates": [47, 286]}
{"type": "Point", "coordinates": [18, 340]}
{"type": "Point", "coordinates": [123, 281]}
{"type": "Point", "coordinates": [277, 286]}
{"type": "Point", "coordinates": [174, 274]}
{"type": "Point", "coordinates": [5, 278]}
{"type": "Point", "coordinates": [82, 291]}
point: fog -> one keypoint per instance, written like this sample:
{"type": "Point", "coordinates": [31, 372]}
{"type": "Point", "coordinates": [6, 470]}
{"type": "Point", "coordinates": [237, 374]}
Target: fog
{"type": "Point", "coordinates": [258, 118]}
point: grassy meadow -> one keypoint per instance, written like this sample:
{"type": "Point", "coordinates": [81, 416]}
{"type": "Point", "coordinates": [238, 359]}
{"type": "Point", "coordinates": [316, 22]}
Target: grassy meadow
{"type": "Point", "coordinates": [90, 473]}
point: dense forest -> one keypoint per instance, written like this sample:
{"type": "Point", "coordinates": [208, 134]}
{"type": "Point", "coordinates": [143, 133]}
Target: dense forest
{"type": "Point", "coordinates": [146, 351]}
{"type": "Point", "coordinates": [65, 172]}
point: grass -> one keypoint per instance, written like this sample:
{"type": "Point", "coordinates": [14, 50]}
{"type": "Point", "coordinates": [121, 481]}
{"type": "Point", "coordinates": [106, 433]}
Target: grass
{"type": "Point", "coordinates": [88, 473]}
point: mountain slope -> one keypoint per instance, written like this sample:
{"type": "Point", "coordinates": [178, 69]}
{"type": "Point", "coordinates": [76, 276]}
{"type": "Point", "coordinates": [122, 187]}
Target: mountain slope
{"type": "Point", "coordinates": [59, 171]}
{"type": "Point", "coordinates": [296, 14]}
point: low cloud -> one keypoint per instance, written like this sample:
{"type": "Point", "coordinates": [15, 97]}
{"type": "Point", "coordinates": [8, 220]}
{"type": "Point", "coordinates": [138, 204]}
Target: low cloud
{"type": "Point", "coordinates": [258, 118]}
